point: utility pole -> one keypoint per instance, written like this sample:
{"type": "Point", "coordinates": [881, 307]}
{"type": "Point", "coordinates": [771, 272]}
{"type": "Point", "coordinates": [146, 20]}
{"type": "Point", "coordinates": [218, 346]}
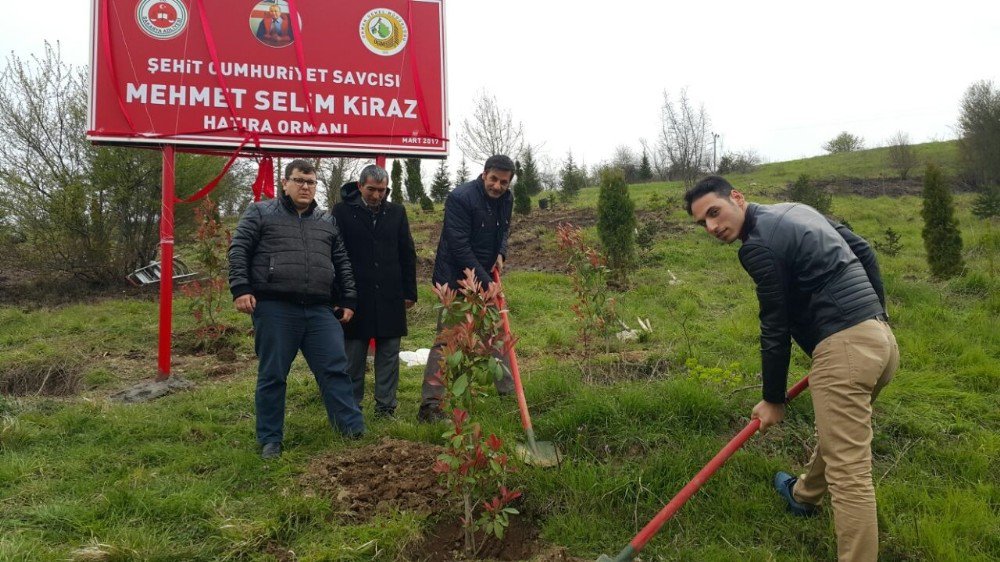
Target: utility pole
{"type": "Point", "coordinates": [715, 162]}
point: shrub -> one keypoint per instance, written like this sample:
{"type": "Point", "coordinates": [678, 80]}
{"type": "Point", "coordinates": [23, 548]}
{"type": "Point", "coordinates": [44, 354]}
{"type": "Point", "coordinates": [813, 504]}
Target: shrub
{"type": "Point", "coordinates": [594, 309]}
{"type": "Point", "coordinates": [426, 204]}
{"type": "Point", "coordinates": [891, 246]}
{"type": "Point", "coordinates": [522, 201]}
{"type": "Point", "coordinates": [805, 191]}
{"type": "Point", "coordinates": [208, 293]}
{"type": "Point", "coordinates": [473, 464]}
{"type": "Point", "coordinates": [902, 157]}
{"type": "Point", "coordinates": [844, 142]}
{"type": "Point", "coordinates": [987, 202]}
{"type": "Point", "coordinates": [616, 224]}
{"type": "Point", "coordinates": [942, 240]}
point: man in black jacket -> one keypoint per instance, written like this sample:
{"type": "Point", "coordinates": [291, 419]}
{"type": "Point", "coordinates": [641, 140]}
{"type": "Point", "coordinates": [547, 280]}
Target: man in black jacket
{"type": "Point", "coordinates": [819, 283]}
{"type": "Point", "coordinates": [284, 262]}
{"type": "Point", "coordinates": [474, 236]}
{"type": "Point", "coordinates": [384, 261]}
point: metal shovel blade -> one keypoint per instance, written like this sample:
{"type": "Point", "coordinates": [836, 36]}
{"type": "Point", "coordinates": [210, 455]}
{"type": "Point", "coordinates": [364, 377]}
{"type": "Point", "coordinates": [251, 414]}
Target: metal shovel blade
{"type": "Point", "coordinates": [540, 453]}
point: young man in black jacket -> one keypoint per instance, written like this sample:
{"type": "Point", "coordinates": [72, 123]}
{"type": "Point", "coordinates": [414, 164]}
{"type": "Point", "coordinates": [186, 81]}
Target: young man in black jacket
{"type": "Point", "coordinates": [384, 260]}
{"type": "Point", "coordinates": [474, 236]}
{"type": "Point", "coordinates": [819, 284]}
{"type": "Point", "coordinates": [284, 261]}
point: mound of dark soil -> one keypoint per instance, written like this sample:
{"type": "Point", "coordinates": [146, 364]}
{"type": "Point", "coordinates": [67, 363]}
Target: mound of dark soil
{"type": "Point", "coordinates": [391, 475]}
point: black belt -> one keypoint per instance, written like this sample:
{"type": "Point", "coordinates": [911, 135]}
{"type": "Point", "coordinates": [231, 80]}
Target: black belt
{"type": "Point", "coordinates": [881, 316]}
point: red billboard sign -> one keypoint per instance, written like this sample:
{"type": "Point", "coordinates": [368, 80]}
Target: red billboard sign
{"type": "Point", "coordinates": [351, 76]}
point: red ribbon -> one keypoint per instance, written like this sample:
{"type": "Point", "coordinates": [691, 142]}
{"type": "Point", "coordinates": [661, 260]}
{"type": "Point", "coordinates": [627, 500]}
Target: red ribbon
{"type": "Point", "coordinates": [417, 88]}
{"type": "Point", "coordinates": [213, 52]}
{"type": "Point", "coordinates": [300, 56]}
{"type": "Point", "coordinates": [110, 60]}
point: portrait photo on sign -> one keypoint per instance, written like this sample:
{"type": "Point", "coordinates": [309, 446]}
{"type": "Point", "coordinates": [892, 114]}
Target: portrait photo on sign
{"type": "Point", "coordinates": [271, 23]}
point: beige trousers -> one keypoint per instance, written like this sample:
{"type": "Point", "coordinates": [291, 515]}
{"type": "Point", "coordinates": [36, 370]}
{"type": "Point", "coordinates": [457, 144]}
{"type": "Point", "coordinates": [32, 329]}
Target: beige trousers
{"type": "Point", "coordinates": [848, 370]}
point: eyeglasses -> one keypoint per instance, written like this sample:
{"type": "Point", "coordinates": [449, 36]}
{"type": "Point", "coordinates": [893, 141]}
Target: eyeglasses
{"type": "Point", "coordinates": [303, 182]}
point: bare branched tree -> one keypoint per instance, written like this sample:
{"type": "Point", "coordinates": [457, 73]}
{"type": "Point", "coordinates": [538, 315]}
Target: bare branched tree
{"type": "Point", "coordinates": [335, 172]}
{"type": "Point", "coordinates": [657, 160]}
{"type": "Point", "coordinates": [491, 130]}
{"type": "Point", "coordinates": [88, 211]}
{"type": "Point", "coordinates": [684, 130]}
{"type": "Point", "coordinates": [902, 157]}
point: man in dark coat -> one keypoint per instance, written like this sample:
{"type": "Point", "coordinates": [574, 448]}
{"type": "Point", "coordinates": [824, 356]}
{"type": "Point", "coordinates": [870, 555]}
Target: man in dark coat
{"type": "Point", "coordinates": [474, 236]}
{"type": "Point", "coordinates": [384, 260]}
{"type": "Point", "coordinates": [284, 262]}
{"type": "Point", "coordinates": [819, 284]}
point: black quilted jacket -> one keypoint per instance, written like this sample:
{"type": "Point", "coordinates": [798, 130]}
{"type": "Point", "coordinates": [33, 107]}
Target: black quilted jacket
{"type": "Point", "coordinates": [279, 255]}
{"type": "Point", "coordinates": [474, 233]}
{"type": "Point", "coordinates": [814, 278]}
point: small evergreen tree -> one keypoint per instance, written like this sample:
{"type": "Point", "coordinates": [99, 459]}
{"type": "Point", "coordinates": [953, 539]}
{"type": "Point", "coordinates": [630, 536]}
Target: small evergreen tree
{"type": "Point", "coordinates": [425, 203]}
{"type": "Point", "coordinates": [442, 185]}
{"type": "Point", "coordinates": [805, 191]}
{"type": "Point", "coordinates": [522, 201]}
{"type": "Point", "coordinates": [397, 182]}
{"type": "Point", "coordinates": [414, 184]}
{"type": "Point", "coordinates": [572, 178]}
{"type": "Point", "coordinates": [462, 174]}
{"type": "Point", "coordinates": [616, 224]}
{"type": "Point", "coordinates": [987, 203]}
{"type": "Point", "coordinates": [529, 174]}
{"type": "Point", "coordinates": [645, 170]}
{"type": "Point", "coordinates": [942, 240]}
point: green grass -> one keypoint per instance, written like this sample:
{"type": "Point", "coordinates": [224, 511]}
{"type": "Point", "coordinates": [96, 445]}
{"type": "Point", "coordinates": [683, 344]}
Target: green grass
{"type": "Point", "coordinates": [180, 478]}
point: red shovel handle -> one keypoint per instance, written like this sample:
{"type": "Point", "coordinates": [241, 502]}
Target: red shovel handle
{"type": "Point", "coordinates": [713, 465]}
{"type": "Point", "coordinates": [515, 372]}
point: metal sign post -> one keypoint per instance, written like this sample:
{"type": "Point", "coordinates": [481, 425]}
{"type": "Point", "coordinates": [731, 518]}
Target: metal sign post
{"type": "Point", "coordinates": [167, 264]}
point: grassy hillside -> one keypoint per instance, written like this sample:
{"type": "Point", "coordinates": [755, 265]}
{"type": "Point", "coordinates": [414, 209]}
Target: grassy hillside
{"type": "Point", "coordinates": [180, 478]}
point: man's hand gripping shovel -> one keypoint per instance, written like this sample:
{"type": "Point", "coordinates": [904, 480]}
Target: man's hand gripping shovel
{"type": "Point", "coordinates": [536, 453]}
{"type": "Point", "coordinates": [632, 549]}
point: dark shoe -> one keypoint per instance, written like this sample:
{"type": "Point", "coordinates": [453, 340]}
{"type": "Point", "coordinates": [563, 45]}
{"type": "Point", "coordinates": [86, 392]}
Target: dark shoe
{"type": "Point", "coordinates": [783, 483]}
{"type": "Point", "coordinates": [430, 413]}
{"type": "Point", "coordinates": [271, 450]}
{"type": "Point", "coordinates": [385, 414]}
{"type": "Point", "coordinates": [354, 435]}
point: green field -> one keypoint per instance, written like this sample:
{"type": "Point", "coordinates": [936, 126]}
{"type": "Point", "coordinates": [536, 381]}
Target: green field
{"type": "Point", "coordinates": [180, 478]}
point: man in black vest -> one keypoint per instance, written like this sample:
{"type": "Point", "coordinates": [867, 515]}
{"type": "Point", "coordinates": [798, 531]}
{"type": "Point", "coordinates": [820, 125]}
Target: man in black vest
{"type": "Point", "coordinates": [384, 260]}
{"type": "Point", "coordinates": [474, 236]}
{"type": "Point", "coordinates": [819, 283]}
{"type": "Point", "coordinates": [284, 262]}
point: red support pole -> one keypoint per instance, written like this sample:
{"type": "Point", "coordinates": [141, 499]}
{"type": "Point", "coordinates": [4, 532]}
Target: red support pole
{"type": "Point", "coordinates": [166, 263]}
{"type": "Point", "coordinates": [380, 160]}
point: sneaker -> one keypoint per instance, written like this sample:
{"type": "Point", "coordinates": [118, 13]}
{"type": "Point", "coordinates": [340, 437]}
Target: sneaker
{"type": "Point", "coordinates": [271, 450]}
{"type": "Point", "coordinates": [783, 483]}
{"type": "Point", "coordinates": [430, 413]}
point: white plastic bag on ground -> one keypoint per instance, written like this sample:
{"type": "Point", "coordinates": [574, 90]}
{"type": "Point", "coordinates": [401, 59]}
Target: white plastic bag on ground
{"type": "Point", "coordinates": [415, 358]}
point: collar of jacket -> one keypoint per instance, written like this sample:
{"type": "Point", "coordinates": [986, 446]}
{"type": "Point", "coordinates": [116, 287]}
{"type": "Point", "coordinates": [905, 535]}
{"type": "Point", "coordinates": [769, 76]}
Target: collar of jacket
{"type": "Point", "coordinates": [351, 195]}
{"type": "Point", "coordinates": [288, 204]}
{"type": "Point", "coordinates": [749, 221]}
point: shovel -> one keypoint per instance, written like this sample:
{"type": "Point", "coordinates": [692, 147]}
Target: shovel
{"type": "Point", "coordinates": [535, 453]}
{"type": "Point", "coordinates": [632, 549]}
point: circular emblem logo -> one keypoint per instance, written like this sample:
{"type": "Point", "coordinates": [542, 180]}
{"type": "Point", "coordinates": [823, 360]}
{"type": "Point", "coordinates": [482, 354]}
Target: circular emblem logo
{"type": "Point", "coordinates": [161, 19]}
{"type": "Point", "coordinates": [383, 31]}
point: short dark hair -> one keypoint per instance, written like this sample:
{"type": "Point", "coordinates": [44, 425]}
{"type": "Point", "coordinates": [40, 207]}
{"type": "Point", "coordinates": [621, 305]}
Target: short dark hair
{"type": "Point", "coordinates": [373, 172]}
{"type": "Point", "coordinates": [304, 166]}
{"type": "Point", "coordinates": [500, 163]}
{"type": "Point", "coordinates": [709, 184]}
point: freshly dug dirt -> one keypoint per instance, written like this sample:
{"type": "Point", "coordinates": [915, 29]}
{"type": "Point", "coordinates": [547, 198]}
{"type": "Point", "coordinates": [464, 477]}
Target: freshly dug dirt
{"type": "Point", "coordinates": [446, 540]}
{"type": "Point", "coordinates": [391, 475]}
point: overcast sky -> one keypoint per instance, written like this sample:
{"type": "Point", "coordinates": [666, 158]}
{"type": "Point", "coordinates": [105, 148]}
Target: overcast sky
{"type": "Point", "coordinates": [780, 77]}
